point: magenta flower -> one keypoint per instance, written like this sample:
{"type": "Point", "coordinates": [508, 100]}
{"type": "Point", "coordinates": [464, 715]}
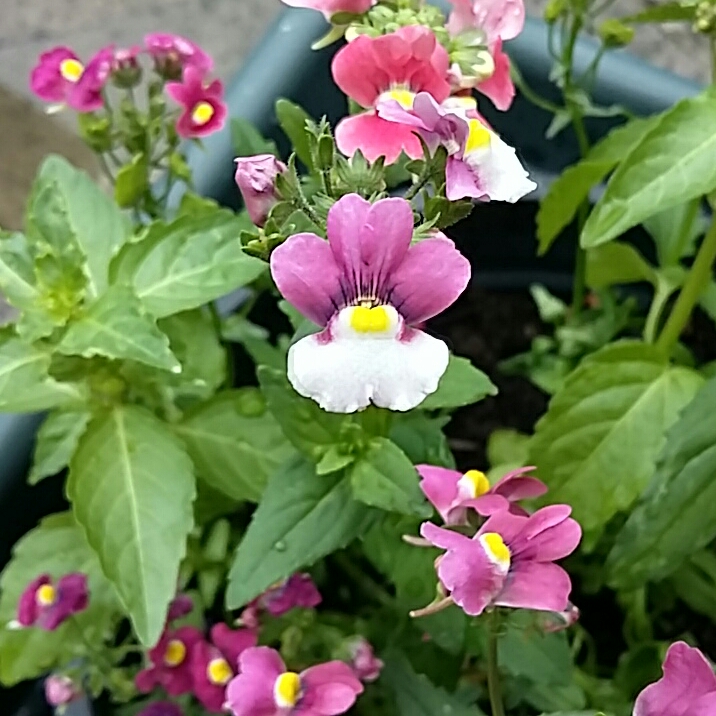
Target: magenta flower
{"type": "Point", "coordinates": [256, 179]}
{"type": "Point", "coordinates": [215, 664]}
{"type": "Point", "coordinates": [330, 7]}
{"type": "Point", "coordinates": [161, 708]}
{"type": "Point", "coordinates": [48, 605]}
{"type": "Point", "coordinates": [366, 287]}
{"type": "Point", "coordinates": [395, 66]}
{"type": "Point", "coordinates": [365, 664]}
{"type": "Point", "coordinates": [454, 494]}
{"type": "Point", "coordinates": [264, 687]}
{"type": "Point", "coordinates": [60, 690]}
{"type": "Point", "coordinates": [298, 590]}
{"type": "Point", "coordinates": [171, 662]}
{"type": "Point", "coordinates": [55, 74]}
{"type": "Point", "coordinates": [180, 606]}
{"type": "Point", "coordinates": [86, 95]}
{"type": "Point", "coordinates": [688, 687]}
{"type": "Point", "coordinates": [509, 562]}
{"type": "Point", "coordinates": [174, 53]}
{"type": "Point", "coordinates": [204, 109]}
{"type": "Point", "coordinates": [503, 19]}
{"type": "Point", "coordinates": [479, 165]}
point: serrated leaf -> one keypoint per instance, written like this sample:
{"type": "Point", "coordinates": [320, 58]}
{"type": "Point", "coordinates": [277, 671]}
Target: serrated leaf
{"type": "Point", "coordinates": [247, 141]}
{"type": "Point", "coordinates": [302, 518]}
{"type": "Point", "coordinates": [292, 119]}
{"type": "Point", "coordinates": [461, 384]}
{"type": "Point", "coordinates": [235, 443]}
{"type": "Point", "coordinates": [669, 166]}
{"type": "Point", "coordinates": [56, 547]}
{"type": "Point", "coordinates": [597, 444]}
{"type": "Point", "coordinates": [132, 486]}
{"type": "Point", "coordinates": [56, 442]}
{"type": "Point", "coordinates": [617, 263]}
{"type": "Point", "coordinates": [117, 326]}
{"type": "Point", "coordinates": [677, 515]}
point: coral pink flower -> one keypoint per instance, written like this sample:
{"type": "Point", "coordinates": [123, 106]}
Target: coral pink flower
{"type": "Point", "coordinates": [86, 95]}
{"type": "Point", "coordinates": [331, 7]}
{"type": "Point", "coordinates": [204, 108]}
{"type": "Point", "coordinates": [454, 494]}
{"type": "Point", "coordinates": [60, 690]}
{"type": "Point", "coordinates": [366, 287]}
{"type": "Point", "coordinates": [365, 664]}
{"type": "Point", "coordinates": [688, 687]}
{"type": "Point", "coordinates": [171, 663]}
{"type": "Point", "coordinates": [256, 179]}
{"type": "Point", "coordinates": [502, 19]}
{"type": "Point", "coordinates": [161, 708]}
{"type": "Point", "coordinates": [479, 165]}
{"type": "Point", "coordinates": [394, 66]}
{"type": "Point", "coordinates": [214, 665]}
{"type": "Point", "coordinates": [48, 605]}
{"type": "Point", "coordinates": [509, 562]}
{"type": "Point", "coordinates": [57, 72]}
{"type": "Point", "coordinates": [499, 87]}
{"type": "Point", "coordinates": [264, 687]}
{"type": "Point", "coordinates": [173, 53]}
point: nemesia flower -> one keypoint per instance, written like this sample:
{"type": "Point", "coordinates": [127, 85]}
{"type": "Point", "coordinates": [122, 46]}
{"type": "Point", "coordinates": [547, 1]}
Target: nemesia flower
{"type": "Point", "coordinates": [502, 19]}
{"type": "Point", "coordinates": [365, 664]}
{"type": "Point", "coordinates": [395, 66]}
{"type": "Point", "coordinates": [687, 688]}
{"type": "Point", "coordinates": [479, 165]}
{"type": "Point", "coordinates": [173, 53]}
{"type": "Point", "coordinates": [47, 605]}
{"type": "Point", "coordinates": [332, 7]}
{"type": "Point", "coordinates": [126, 70]}
{"type": "Point", "coordinates": [454, 494]}
{"type": "Point", "coordinates": [265, 688]}
{"type": "Point", "coordinates": [180, 606]}
{"type": "Point", "coordinates": [161, 708]}
{"type": "Point", "coordinates": [171, 662]}
{"type": "Point", "coordinates": [366, 287]}
{"type": "Point", "coordinates": [298, 590]}
{"type": "Point", "coordinates": [55, 74]}
{"type": "Point", "coordinates": [60, 690]}
{"type": "Point", "coordinates": [204, 108]}
{"type": "Point", "coordinates": [509, 562]}
{"type": "Point", "coordinates": [256, 178]}
{"type": "Point", "coordinates": [86, 96]}
{"type": "Point", "coordinates": [214, 664]}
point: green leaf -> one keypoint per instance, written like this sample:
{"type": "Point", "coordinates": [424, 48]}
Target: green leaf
{"type": "Point", "coordinates": [617, 263]}
{"type": "Point", "coordinates": [255, 340]}
{"type": "Point", "coordinates": [117, 326]}
{"type": "Point", "coordinates": [421, 438]}
{"type": "Point", "coordinates": [596, 445]}
{"type": "Point", "coordinates": [669, 166]}
{"type": "Point", "coordinates": [187, 263]}
{"type": "Point", "coordinates": [677, 515]}
{"type": "Point", "coordinates": [56, 442]}
{"type": "Point", "coordinates": [384, 477]}
{"type": "Point", "coordinates": [664, 12]}
{"type": "Point", "coordinates": [131, 485]}
{"type": "Point", "coordinates": [131, 181]}
{"type": "Point", "coordinates": [333, 460]}
{"type": "Point", "coordinates": [292, 119]}
{"type": "Point", "coordinates": [302, 518]}
{"type": "Point", "coordinates": [312, 430]}
{"type": "Point", "coordinates": [56, 547]}
{"type": "Point", "coordinates": [235, 443]}
{"type": "Point", "coordinates": [25, 386]}
{"type": "Point", "coordinates": [90, 219]}
{"type": "Point", "coordinates": [462, 384]}
{"type": "Point", "coordinates": [675, 231]}
{"type": "Point", "coordinates": [248, 141]}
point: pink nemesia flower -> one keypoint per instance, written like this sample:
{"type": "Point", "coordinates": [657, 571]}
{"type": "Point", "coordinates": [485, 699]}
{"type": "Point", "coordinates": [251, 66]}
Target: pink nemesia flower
{"type": "Point", "coordinates": [264, 687]}
{"type": "Point", "coordinates": [60, 690]}
{"type": "Point", "coordinates": [366, 287]}
{"type": "Point", "coordinates": [161, 708]}
{"type": "Point", "coordinates": [86, 95]}
{"type": "Point", "coordinates": [479, 165]}
{"type": "Point", "coordinates": [55, 74]}
{"type": "Point", "coordinates": [256, 178]}
{"type": "Point", "coordinates": [688, 687]}
{"type": "Point", "coordinates": [509, 562]}
{"type": "Point", "coordinates": [502, 19]}
{"type": "Point", "coordinates": [215, 664]}
{"type": "Point", "coordinates": [365, 664]}
{"type": "Point", "coordinates": [394, 66]}
{"type": "Point", "coordinates": [204, 109]}
{"type": "Point", "coordinates": [331, 7]}
{"type": "Point", "coordinates": [48, 605]}
{"type": "Point", "coordinates": [180, 606]}
{"type": "Point", "coordinates": [171, 662]}
{"type": "Point", "coordinates": [454, 494]}
{"type": "Point", "coordinates": [173, 53]}
{"type": "Point", "coordinates": [298, 590]}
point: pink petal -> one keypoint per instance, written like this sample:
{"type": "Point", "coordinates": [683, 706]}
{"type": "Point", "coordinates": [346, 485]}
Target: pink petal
{"type": "Point", "coordinates": [146, 680]}
{"type": "Point", "coordinates": [27, 608]}
{"type": "Point", "coordinates": [439, 485]}
{"type": "Point", "coordinates": [489, 504]}
{"type": "Point", "coordinates": [506, 524]}
{"type": "Point", "coordinates": [356, 73]}
{"type": "Point", "coordinates": [232, 642]}
{"type": "Point", "coordinates": [376, 137]}
{"type": "Point", "coordinates": [555, 542]}
{"type": "Point", "coordinates": [687, 677]}
{"type": "Point", "coordinates": [307, 276]}
{"type": "Point", "coordinates": [705, 706]}
{"type": "Point", "coordinates": [181, 605]}
{"type": "Point", "coordinates": [545, 518]}
{"type": "Point", "coordinates": [499, 87]}
{"type": "Point", "coordinates": [445, 539]}
{"type": "Point", "coordinates": [331, 7]}
{"type": "Point", "coordinates": [533, 585]}
{"type": "Point", "coordinates": [330, 689]}
{"type": "Point", "coordinates": [260, 661]}
{"type": "Point", "coordinates": [433, 263]}
{"type": "Point", "coordinates": [251, 692]}
{"type": "Point", "coordinates": [179, 92]}
{"type": "Point", "coordinates": [516, 486]}
{"type": "Point", "coordinates": [46, 80]}
{"type": "Point", "coordinates": [461, 182]}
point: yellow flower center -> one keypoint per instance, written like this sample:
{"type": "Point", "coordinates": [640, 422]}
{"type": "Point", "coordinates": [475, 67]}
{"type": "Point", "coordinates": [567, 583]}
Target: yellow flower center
{"type": "Point", "coordinates": [476, 482]}
{"type": "Point", "coordinates": [370, 320]}
{"type": "Point", "coordinates": [287, 690]}
{"type": "Point", "coordinates": [478, 138]}
{"type": "Point", "coordinates": [497, 551]}
{"type": "Point", "coordinates": [175, 653]}
{"type": "Point", "coordinates": [46, 595]}
{"type": "Point", "coordinates": [219, 672]}
{"type": "Point", "coordinates": [71, 69]}
{"type": "Point", "coordinates": [202, 113]}
{"type": "Point", "coordinates": [402, 96]}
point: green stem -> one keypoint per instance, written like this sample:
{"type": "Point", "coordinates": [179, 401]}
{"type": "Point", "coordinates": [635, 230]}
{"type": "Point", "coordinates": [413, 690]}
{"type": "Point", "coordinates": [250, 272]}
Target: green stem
{"type": "Point", "coordinates": [696, 282]}
{"type": "Point", "coordinates": [419, 184]}
{"type": "Point", "coordinates": [493, 669]}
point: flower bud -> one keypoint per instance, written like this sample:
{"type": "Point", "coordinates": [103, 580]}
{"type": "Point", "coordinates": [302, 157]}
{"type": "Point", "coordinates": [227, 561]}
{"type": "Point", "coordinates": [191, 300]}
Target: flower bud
{"type": "Point", "coordinates": [60, 690]}
{"type": "Point", "coordinates": [256, 179]}
{"type": "Point", "coordinates": [366, 666]}
{"type": "Point", "coordinates": [615, 33]}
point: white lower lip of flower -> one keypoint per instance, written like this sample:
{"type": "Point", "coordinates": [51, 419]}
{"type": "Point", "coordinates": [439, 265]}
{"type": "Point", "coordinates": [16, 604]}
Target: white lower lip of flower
{"type": "Point", "coordinates": [356, 368]}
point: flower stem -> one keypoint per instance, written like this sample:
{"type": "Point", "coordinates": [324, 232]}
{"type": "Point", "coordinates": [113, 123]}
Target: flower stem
{"type": "Point", "coordinates": [696, 282]}
{"type": "Point", "coordinates": [493, 670]}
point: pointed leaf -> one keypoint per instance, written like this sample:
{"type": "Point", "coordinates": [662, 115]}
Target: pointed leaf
{"type": "Point", "coordinates": [132, 487]}
{"type": "Point", "coordinates": [617, 263]}
{"type": "Point", "coordinates": [664, 12]}
{"type": "Point", "coordinates": [462, 384]}
{"type": "Point", "coordinates": [292, 119]}
{"type": "Point", "coordinates": [56, 442]}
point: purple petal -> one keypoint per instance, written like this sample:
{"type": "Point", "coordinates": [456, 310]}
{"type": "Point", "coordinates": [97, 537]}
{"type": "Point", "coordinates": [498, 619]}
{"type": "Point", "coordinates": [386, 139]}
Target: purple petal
{"type": "Point", "coordinates": [181, 605]}
{"type": "Point", "coordinates": [433, 274]}
{"type": "Point", "coordinates": [461, 182]}
{"type": "Point", "coordinates": [533, 585]}
{"type": "Point", "coordinates": [307, 276]}
{"type": "Point", "coordinates": [687, 677]}
{"type": "Point", "coordinates": [251, 692]}
{"type": "Point", "coordinates": [232, 642]}
{"type": "Point", "coordinates": [330, 689]}
{"type": "Point", "coordinates": [27, 608]}
{"type": "Point", "coordinates": [439, 485]}
{"type": "Point", "coordinates": [392, 111]}
{"type": "Point", "coordinates": [705, 706]}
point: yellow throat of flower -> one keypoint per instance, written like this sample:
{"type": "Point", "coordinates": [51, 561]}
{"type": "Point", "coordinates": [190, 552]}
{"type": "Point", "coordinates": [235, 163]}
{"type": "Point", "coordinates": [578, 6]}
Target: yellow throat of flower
{"type": "Point", "coordinates": [71, 69]}
{"type": "Point", "coordinates": [175, 653]}
{"type": "Point", "coordinates": [496, 549]}
{"type": "Point", "coordinates": [370, 320]}
{"type": "Point", "coordinates": [476, 482]}
{"type": "Point", "coordinates": [287, 689]}
{"type": "Point", "coordinates": [478, 138]}
{"type": "Point", "coordinates": [404, 97]}
{"type": "Point", "coordinates": [202, 113]}
{"type": "Point", "coordinates": [219, 672]}
{"type": "Point", "coordinates": [46, 595]}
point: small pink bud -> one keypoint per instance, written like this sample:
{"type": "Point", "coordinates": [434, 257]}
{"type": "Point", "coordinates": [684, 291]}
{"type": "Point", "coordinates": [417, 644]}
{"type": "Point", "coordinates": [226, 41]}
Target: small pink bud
{"type": "Point", "coordinates": [60, 690]}
{"type": "Point", "coordinates": [256, 179]}
{"type": "Point", "coordinates": [366, 666]}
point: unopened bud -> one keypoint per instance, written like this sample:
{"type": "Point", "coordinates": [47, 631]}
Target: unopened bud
{"type": "Point", "coordinates": [256, 179]}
